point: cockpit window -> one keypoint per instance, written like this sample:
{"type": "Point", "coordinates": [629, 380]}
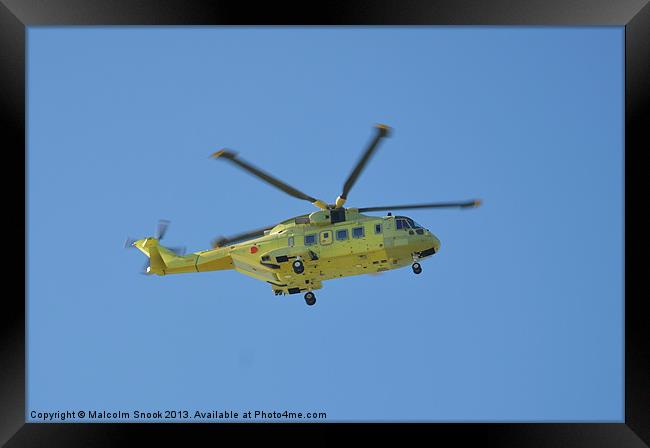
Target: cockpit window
{"type": "Point", "coordinates": [414, 224]}
{"type": "Point", "coordinates": [402, 222]}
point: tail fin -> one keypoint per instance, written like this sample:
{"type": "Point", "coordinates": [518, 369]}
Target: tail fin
{"type": "Point", "coordinates": [151, 248]}
{"type": "Point", "coordinates": [162, 260]}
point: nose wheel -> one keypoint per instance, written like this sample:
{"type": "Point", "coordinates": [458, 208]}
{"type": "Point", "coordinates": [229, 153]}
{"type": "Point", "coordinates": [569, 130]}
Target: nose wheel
{"type": "Point", "coordinates": [417, 269]}
{"type": "Point", "coordinates": [310, 298]}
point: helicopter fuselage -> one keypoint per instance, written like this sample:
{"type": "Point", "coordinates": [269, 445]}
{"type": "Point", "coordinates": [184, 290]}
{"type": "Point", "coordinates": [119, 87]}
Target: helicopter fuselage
{"type": "Point", "coordinates": [298, 254]}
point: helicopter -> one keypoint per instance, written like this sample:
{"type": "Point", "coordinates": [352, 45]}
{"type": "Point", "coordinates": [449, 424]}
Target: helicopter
{"type": "Point", "coordinates": [296, 255]}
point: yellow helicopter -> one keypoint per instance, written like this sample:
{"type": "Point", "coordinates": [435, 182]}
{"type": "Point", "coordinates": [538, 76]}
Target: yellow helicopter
{"type": "Point", "coordinates": [298, 254]}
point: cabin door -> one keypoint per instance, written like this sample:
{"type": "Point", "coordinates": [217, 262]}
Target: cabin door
{"type": "Point", "coordinates": [326, 237]}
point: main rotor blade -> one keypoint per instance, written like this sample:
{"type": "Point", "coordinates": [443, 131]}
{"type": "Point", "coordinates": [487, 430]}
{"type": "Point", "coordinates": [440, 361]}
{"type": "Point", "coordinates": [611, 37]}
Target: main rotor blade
{"type": "Point", "coordinates": [382, 131]}
{"type": "Point", "coordinates": [229, 155]}
{"type": "Point", "coordinates": [466, 204]}
{"type": "Point", "coordinates": [221, 241]}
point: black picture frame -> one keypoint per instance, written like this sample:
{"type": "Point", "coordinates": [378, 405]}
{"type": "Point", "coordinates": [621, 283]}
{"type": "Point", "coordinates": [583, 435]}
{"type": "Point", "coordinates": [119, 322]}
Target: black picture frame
{"type": "Point", "coordinates": [634, 15]}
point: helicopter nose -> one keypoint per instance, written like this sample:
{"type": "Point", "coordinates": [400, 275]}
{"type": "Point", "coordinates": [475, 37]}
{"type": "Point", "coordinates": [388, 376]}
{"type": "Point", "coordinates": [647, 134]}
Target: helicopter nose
{"type": "Point", "coordinates": [436, 242]}
{"type": "Point", "coordinates": [432, 245]}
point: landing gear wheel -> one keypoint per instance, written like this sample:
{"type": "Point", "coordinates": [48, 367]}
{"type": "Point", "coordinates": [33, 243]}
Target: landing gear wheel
{"type": "Point", "coordinates": [310, 298]}
{"type": "Point", "coordinates": [298, 267]}
{"type": "Point", "coordinates": [417, 269]}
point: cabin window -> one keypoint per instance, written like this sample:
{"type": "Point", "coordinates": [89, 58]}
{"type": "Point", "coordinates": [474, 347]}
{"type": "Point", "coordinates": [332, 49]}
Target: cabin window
{"type": "Point", "coordinates": [310, 239]}
{"type": "Point", "coordinates": [290, 241]}
{"type": "Point", "coordinates": [377, 228]}
{"type": "Point", "coordinates": [342, 234]}
{"type": "Point", "coordinates": [357, 232]}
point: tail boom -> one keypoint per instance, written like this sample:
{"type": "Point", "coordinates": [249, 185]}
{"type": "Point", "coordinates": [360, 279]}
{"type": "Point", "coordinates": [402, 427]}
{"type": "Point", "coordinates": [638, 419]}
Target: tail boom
{"type": "Point", "coordinates": [163, 261]}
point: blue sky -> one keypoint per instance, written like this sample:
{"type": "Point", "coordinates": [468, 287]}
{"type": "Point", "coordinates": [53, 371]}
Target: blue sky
{"type": "Point", "coordinates": [518, 317]}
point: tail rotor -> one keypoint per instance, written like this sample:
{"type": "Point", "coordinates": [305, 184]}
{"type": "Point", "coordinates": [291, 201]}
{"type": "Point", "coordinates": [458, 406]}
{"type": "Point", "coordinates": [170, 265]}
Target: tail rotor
{"type": "Point", "coordinates": [161, 228]}
{"type": "Point", "coordinates": [146, 267]}
{"type": "Point", "coordinates": [150, 245]}
{"type": "Point", "coordinates": [179, 250]}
